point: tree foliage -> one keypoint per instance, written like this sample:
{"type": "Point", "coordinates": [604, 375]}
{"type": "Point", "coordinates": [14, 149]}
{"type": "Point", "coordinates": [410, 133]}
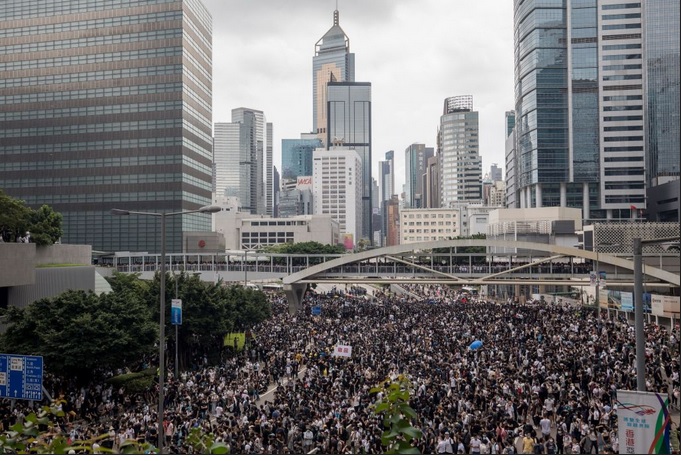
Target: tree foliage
{"type": "Point", "coordinates": [305, 248]}
{"type": "Point", "coordinates": [398, 416]}
{"type": "Point", "coordinates": [37, 436]}
{"type": "Point", "coordinates": [44, 224]}
{"type": "Point", "coordinates": [79, 333]}
{"type": "Point", "coordinates": [210, 311]}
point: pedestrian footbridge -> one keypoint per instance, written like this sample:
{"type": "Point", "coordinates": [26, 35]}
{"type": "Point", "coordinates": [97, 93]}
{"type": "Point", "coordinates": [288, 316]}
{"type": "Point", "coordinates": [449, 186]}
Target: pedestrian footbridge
{"type": "Point", "coordinates": [503, 263]}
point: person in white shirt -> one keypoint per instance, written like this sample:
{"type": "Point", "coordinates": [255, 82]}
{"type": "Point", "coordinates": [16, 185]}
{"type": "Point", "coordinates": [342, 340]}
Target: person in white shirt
{"type": "Point", "coordinates": [475, 445]}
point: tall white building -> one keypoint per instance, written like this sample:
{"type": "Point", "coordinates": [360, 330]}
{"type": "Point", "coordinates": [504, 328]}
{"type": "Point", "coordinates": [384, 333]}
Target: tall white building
{"type": "Point", "coordinates": [337, 188]}
{"type": "Point", "coordinates": [458, 151]}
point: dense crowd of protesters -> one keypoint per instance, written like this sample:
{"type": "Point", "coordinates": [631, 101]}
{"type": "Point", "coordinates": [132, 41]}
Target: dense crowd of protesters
{"type": "Point", "coordinates": [544, 380]}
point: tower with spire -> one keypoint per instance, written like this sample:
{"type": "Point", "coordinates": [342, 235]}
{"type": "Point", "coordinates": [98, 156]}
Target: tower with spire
{"type": "Point", "coordinates": [332, 62]}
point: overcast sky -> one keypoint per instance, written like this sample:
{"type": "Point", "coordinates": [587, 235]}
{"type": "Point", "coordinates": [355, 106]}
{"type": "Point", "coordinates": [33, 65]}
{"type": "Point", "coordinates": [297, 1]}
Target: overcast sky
{"type": "Point", "coordinates": [415, 53]}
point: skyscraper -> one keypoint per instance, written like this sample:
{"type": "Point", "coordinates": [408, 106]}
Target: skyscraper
{"type": "Point", "coordinates": [297, 157]}
{"type": "Point", "coordinates": [662, 48]}
{"type": "Point", "coordinates": [459, 159]}
{"type": "Point", "coordinates": [597, 90]}
{"type": "Point", "coordinates": [416, 156]}
{"type": "Point", "coordinates": [108, 105]}
{"type": "Point", "coordinates": [239, 158]}
{"type": "Point", "coordinates": [349, 125]}
{"type": "Point", "coordinates": [496, 173]}
{"type": "Point", "coordinates": [332, 62]}
{"type": "Point", "coordinates": [270, 172]}
{"type": "Point", "coordinates": [386, 189]}
{"type": "Point", "coordinates": [337, 187]}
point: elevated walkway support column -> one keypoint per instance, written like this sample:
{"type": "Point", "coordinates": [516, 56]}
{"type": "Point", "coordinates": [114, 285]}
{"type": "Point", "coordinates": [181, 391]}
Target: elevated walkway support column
{"type": "Point", "coordinates": [295, 296]}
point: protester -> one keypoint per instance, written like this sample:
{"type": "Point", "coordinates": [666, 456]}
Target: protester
{"type": "Point", "coordinates": [288, 394]}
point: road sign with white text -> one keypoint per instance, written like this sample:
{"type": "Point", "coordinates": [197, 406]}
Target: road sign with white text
{"type": "Point", "coordinates": [21, 377]}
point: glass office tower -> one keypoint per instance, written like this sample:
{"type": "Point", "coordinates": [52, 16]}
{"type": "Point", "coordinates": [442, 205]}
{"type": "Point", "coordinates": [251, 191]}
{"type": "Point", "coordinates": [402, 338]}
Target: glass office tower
{"type": "Point", "coordinates": [663, 60]}
{"type": "Point", "coordinates": [297, 157]}
{"type": "Point", "coordinates": [597, 91]}
{"type": "Point", "coordinates": [332, 62]}
{"type": "Point", "coordinates": [349, 125]}
{"type": "Point", "coordinates": [108, 105]}
{"type": "Point", "coordinates": [459, 159]}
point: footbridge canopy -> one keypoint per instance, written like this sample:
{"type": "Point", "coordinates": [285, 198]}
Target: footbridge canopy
{"type": "Point", "coordinates": [297, 283]}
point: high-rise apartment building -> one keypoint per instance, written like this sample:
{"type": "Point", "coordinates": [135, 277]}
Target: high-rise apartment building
{"type": "Point", "coordinates": [349, 125]}
{"type": "Point", "coordinates": [459, 159]}
{"type": "Point", "coordinates": [332, 62]}
{"type": "Point", "coordinates": [416, 156]}
{"type": "Point", "coordinates": [589, 104]}
{"type": "Point", "coordinates": [297, 157]}
{"type": "Point", "coordinates": [337, 188]}
{"type": "Point", "coordinates": [108, 105]}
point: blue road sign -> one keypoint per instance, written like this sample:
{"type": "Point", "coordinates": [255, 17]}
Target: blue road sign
{"type": "Point", "coordinates": [21, 377]}
{"type": "Point", "coordinates": [176, 312]}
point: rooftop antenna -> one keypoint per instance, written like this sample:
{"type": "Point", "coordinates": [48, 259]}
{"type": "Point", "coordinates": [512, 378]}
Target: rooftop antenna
{"type": "Point", "coordinates": [336, 13]}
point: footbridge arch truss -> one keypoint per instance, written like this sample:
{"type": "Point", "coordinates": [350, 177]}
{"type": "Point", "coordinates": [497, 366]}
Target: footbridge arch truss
{"type": "Point", "coordinates": [296, 284]}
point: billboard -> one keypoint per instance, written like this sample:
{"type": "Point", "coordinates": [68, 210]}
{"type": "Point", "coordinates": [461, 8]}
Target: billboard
{"type": "Point", "coordinates": [348, 241]}
{"type": "Point", "coordinates": [304, 182]}
{"type": "Point", "coordinates": [666, 306]}
{"type": "Point", "coordinates": [644, 423]}
{"type": "Point", "coordinates": [627, 301]}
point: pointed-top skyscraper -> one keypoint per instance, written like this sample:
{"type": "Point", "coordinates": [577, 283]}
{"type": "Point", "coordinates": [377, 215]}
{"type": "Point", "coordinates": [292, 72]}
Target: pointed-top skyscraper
{"type": "Point", "coordinates": [332, 62]}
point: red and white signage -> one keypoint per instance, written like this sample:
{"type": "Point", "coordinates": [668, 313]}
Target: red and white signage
{"type": "Point", "coordinates": [342, 350]}
{"type": "Point", "coordinates": [304, 182]}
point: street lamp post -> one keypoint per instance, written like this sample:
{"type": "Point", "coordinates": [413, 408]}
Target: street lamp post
{"type": "Point", "coordinates": [162, 299]}
{"type": "Point", "coordinates": [638, 304]}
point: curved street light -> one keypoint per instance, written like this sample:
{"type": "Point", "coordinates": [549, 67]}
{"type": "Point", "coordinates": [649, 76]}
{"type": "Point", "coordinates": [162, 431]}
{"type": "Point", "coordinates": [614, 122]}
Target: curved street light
{"type": "Point", "coordinates": [162, 298]}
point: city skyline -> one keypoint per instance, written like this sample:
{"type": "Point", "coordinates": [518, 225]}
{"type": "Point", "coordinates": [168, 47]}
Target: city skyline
{"type": "Point", "coordinates": [264, 62]}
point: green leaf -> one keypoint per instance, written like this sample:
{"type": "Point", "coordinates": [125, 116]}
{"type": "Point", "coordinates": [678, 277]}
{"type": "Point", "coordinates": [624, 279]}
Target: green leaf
{"type": "Point", "coordinates": [413, 432]}
{"type": "Point", "coordinates": [219, 448]}
{"type": "Point", "coordinates": [381, 407]}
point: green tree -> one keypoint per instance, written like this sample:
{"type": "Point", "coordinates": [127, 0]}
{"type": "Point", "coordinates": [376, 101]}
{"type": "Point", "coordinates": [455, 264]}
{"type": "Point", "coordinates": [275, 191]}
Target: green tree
{"type": "Point", "coordinates": [305, 248]}
{"type": "Point", "coordinates": [362, 245]}
{"type": "Point", "coordinates": [14, 217]}
{"type": "Point", "coordinates": [45, 226]}
{"type": "Point", "coordinates": [210, 311]}
{"type": "Point", "coordinates": [398, 416]}
{"type": "Point", "coordinates": [35, 436]}
{"type": "Point", "coordinates": [80, 333]}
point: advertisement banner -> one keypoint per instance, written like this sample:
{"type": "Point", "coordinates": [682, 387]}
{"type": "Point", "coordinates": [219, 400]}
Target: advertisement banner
{"type": "Point", "coordinates": [235, 340]}
{"type": "Point", "coordinates": [603, 280]}
{"type": "Point", "coordinates": [594, 279]}
{"type": "Point", "coordinates": [176, 312]}
{"type": "Point", "coordinates": [627, 301]}
{"type": "Point", "coordinates": [348, 241]}
{"type": "Point", "coordinates": [666, 306]}
{"type": "Point", "coordinates": [342, 350]}
{"type": "Point", "coordinates": [644, 423]}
